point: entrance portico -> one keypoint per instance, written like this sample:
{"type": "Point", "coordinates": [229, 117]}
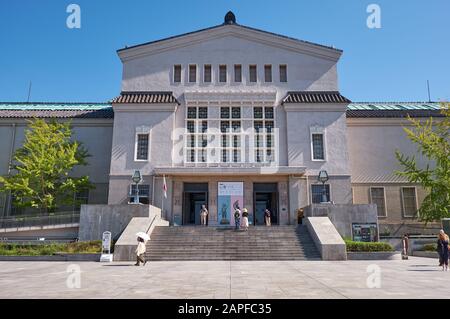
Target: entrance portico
{"type": "Point", "coordinates": [193, 187]}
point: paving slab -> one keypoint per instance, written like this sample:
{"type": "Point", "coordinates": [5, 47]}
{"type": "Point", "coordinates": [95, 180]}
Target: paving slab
{"type": "Point", "coordinates": [414, 278]}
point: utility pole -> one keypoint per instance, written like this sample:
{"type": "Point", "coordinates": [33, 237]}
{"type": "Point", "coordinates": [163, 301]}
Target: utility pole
{"type": "Point", "coordinates": [428, 86]}
{"type": "Point", "coordinates": [29, 92]}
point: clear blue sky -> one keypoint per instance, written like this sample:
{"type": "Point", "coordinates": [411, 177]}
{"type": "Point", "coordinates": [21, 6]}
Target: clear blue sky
{"type": "Point", "coordinates": [387, 64]}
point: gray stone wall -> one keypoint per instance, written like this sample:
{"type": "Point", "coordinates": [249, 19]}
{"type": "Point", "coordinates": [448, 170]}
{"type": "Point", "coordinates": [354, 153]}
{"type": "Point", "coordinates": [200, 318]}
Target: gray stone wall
{"type": "Point", "coordinates": [95, 219]}
{"type": "Point", "coordinates": [344, 215]}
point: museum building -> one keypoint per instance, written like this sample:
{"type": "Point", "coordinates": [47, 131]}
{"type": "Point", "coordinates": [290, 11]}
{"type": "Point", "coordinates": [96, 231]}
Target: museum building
{"type": "Point", "coordinates": [232, 116]}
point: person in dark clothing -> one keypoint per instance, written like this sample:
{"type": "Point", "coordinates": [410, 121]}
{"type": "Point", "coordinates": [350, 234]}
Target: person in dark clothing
{"type": "Point", "coordinates": [442, 246]}
{"type": "Point", "coordinates": [237, 218]}
{"type": "Point", "coordinates": [439, 251]}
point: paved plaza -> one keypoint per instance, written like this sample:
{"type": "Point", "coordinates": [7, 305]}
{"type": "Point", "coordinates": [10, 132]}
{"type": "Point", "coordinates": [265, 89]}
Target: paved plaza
{"type": "Point", "coordinates": [413, 278]}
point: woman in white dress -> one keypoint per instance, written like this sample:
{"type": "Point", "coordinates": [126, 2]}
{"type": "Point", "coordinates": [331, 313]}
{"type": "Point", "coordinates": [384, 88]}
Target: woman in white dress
{"type": "Point", "coordinates": [245, 218]}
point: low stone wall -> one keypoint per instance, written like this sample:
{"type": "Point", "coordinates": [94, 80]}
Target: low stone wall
{"type": "Point", "coordinates": [124, 249]}
{"type": "Point", "coordinates": [426, 254]}
{"type": "Point", "coordinates": [62, 257]}
{"type": "Point", "coordinates": [96, 219]}
{"type": "Point", "coordinates": [375, 255]}
{"type": "Point", "coordinates": [344, 215]}
{"type": "Point", "coordinates": [326, 238]}
{"type": "Point", "coordinates": [60, 231]}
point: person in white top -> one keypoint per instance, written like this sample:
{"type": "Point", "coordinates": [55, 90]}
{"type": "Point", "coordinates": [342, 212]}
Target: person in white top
{"type": "Point", "coordinates": [140, 251]}
{"type": "Point", "coordinates": [203, 215]}
{"type": "Point", "coordinates": [245, 218]}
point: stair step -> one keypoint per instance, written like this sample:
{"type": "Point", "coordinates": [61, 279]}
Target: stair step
{"type": "Point", "coordinates": [216, 243]}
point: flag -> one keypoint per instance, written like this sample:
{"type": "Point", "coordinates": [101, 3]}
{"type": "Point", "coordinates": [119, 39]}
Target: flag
{"type": "Point", "coordinates": [165, 186]}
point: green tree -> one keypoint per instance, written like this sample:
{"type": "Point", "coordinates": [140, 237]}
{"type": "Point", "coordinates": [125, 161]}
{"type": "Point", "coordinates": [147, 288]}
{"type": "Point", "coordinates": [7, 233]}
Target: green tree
{"type": "Point", "coordinates": [41, 167]}
{"type": "Point", "coordinates": [432, 138]}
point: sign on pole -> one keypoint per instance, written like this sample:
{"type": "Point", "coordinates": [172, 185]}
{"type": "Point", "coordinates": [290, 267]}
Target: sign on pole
{"type": "Point", "coordinates": [106, 242]}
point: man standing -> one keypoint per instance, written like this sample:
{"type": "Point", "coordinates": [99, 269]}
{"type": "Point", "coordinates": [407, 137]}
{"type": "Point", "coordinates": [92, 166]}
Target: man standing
{"type": "Point", "coordinates": [203, 215]}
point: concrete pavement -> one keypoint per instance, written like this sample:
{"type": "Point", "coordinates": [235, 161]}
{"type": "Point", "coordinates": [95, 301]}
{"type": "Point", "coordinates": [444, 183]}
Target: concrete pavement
{"type": "Point", "coordinates": [413, 278]}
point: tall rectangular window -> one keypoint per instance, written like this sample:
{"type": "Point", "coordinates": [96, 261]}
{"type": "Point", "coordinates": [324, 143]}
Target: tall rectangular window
{"type": "Point", "coordinates": [144, 193]}
{"type": "Point", "coordinates": [283, 73]}
{"type": "Point", "coordinates": [318, 146]}
{"type": "Point", "coordinates": [142, 147]}
{"type": "Point", "coordinates": [252, 72]}
{"type": "Point", "coordinates": [317, 193]}
{"type": "Point", "coordinates": [192, 73]}
{"type": "Point", "coordinates": [207, 73]}
{"type": "Point", "coordinates": [237, 73]}
{"type": "Point", "coordinates": [177, 73]}
{"type": "Point", "coordinates": [377, 197]}
{"type": "Point", "coordinates": [409, 201]}
{"type": "Point", "coordinates": [268, 73]}
{"type": "Point", "coordinates": [222, 73]}
{"type": "Point", "coordinates": [81, 197]}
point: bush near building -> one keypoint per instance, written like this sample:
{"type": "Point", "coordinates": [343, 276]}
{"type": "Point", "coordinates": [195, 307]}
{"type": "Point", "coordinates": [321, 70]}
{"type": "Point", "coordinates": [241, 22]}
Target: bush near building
{"type": "Point", "coordinates": [359, 246]}
{"type": "Point", "coordinates": [429, 247]}
{"type": "Point", "coordinates": [89, 247]}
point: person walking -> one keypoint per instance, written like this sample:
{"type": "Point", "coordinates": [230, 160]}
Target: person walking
{"type": "Point", "coordinates": [245, 219]}
{"type": "Point", "coordinates": [237, 218]}
{"type": "Point", "coordinates": [267, 217]}
{"type": "Point", "coordinates": [203, 215]}
{"type": "Point", "coordinates": [300, 215]}
{"type": "Point", "coordinates": [140, 251]}
{"type": "Point", "coordinates": [442, 246]}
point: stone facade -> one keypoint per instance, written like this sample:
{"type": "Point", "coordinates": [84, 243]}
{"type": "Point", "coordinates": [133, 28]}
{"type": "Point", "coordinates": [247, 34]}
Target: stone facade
{"type": "Point", "coordinates": [358, 152]}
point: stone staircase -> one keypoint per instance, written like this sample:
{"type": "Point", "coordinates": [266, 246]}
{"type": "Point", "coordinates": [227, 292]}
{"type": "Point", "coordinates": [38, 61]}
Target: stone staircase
{"type": "Point", "coordinates": [218, 243]}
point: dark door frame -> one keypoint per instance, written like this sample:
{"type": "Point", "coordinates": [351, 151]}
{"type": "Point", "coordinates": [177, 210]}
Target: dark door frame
{"type": "Point", "coordinates": [183, 214]}
{"type": "Point", "coordinates": [274, 204]}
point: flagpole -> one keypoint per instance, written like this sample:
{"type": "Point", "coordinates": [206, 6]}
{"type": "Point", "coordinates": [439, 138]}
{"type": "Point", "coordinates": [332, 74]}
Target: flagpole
{"type": "Point", "coordinates": [162, 206]}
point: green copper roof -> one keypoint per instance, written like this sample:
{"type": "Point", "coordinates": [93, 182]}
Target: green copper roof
{"type": "Point", "coordinates": [53, 106]}
{"type": "Point", "coordinates": [66, 106]}
{"type": "Point", "coordinates": [399, 106]}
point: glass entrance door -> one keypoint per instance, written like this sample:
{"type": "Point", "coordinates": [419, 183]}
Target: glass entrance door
{"type": "Point", "coordinates": [263, 201]}
{"type": "Point", "coordinates": [191, 208]}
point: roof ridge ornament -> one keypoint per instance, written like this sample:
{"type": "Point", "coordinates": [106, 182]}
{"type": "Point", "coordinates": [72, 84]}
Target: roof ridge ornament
{"type": "Point", "coordinates": [230, 18]}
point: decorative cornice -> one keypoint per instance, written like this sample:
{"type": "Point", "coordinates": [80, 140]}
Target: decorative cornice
{"type": "Point", "coordinates": [118, 108]}
{"type": "Point", "coordinates": [230, 96]}
{"type": "Point", "coordinates": [313, 107]}
{"type": "Point", "coordinates": [230, 30]}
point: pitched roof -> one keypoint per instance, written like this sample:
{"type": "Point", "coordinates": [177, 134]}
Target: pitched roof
{"type": "Point", "coordinates": [225, 24]}
{"type": "Point", "coordinates": [315, 97]}
{"type": "Point", "coordinates": [145, 97]}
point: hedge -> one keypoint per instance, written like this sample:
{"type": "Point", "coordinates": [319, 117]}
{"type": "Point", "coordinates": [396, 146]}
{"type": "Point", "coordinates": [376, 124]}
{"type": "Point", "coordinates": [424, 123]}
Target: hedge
{"type": "Point", "coordinates": [359, 246]}
{"type": "Point", "coordinates": [88, 247]}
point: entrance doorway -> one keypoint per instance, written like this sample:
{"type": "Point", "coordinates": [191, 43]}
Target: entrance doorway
{"type": "Point", "coordinates": [195, 195]}
{"type": "Point", "coordinates": [265, 196]}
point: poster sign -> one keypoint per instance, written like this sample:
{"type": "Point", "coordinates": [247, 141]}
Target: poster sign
{"type": "Point", "coordinates": [106, 242]}
{"type": "Point", "coordinates": [230, 197]}
{"type": "Point", "coordinates": [365, 232]}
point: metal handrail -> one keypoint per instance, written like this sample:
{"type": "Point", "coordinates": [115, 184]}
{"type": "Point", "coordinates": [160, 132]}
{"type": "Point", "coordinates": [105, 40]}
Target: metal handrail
{"type": "Point", "coordinates": [39, 220]}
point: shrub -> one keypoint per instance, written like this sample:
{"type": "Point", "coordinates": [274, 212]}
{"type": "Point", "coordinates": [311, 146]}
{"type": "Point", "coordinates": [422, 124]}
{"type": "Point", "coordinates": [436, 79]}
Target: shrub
{"type": "Point", "coordinates": [88, 247]}
{"type": "Point", "coordinates": [359, 246]}
{"type": "Point", "coordinates": [429, 247]}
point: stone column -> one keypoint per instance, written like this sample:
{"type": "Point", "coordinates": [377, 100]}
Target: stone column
{"type": "Point", "coordinates": [298, 196]}
{"type": "Point", "coordinates": [283, 203]}
{"type": "Point", "coordinates": [177, 207]}
{"type": "Point", "coordinates": [212, 202]}
{"type": "Point", "coordinates": [248, 198]}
